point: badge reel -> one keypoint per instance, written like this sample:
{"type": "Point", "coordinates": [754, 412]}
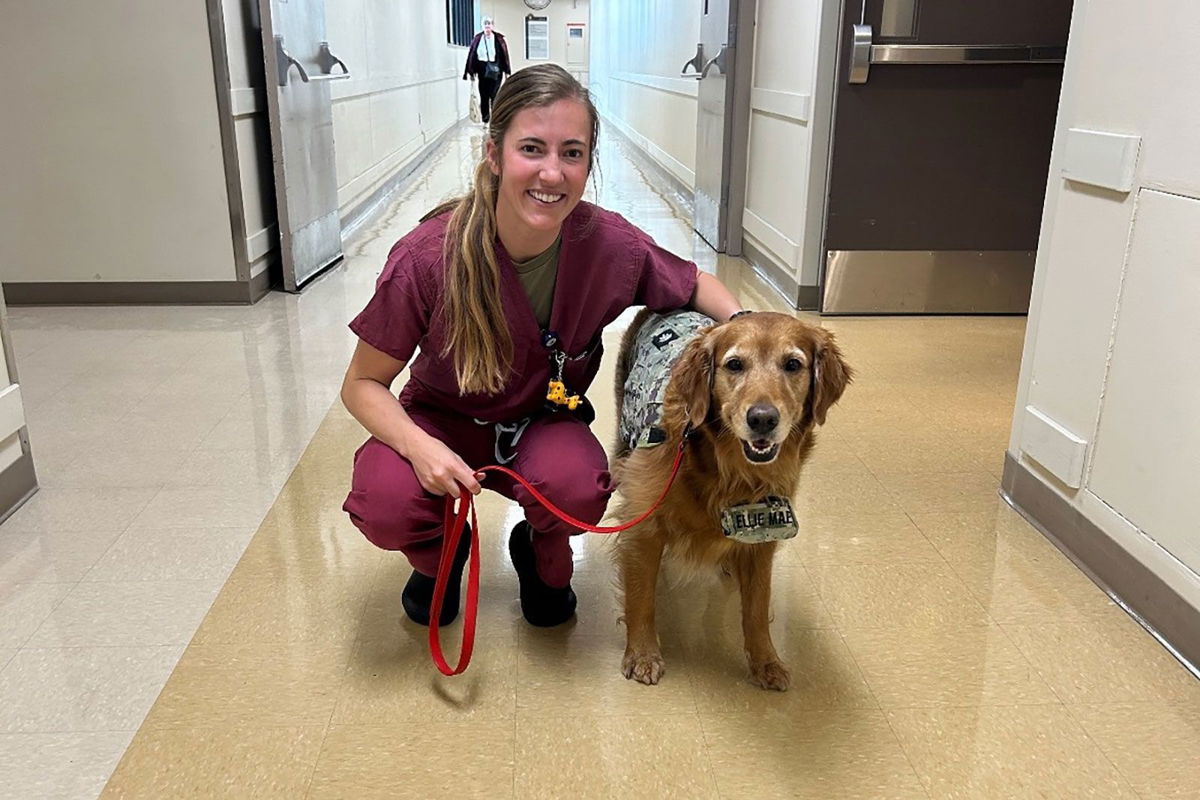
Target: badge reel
{"type": "Point", "coordinates": [556, 392]}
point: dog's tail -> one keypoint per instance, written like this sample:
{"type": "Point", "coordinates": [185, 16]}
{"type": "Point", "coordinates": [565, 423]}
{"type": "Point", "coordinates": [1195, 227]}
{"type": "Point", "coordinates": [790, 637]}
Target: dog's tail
{"type": "Point", "coordinates": [624, 364]}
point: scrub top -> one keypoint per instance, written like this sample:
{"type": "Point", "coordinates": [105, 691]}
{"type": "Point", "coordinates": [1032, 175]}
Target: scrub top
{"type": "Point", "coordinates": [606, 265]}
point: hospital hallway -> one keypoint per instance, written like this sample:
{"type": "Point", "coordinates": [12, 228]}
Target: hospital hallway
{"type": "Point", "coordinates": [185, 611]}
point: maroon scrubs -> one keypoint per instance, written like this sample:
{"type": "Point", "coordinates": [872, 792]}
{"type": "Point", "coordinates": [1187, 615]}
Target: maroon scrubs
{"type": "Point", "coordinates": [605, 266]}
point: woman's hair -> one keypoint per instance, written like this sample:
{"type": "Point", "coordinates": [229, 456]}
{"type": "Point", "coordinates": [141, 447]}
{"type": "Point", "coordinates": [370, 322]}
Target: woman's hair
{"type": "Point", "coordinates": [486, 20]}
{"type": "Point", "coordinates": [477, 329]}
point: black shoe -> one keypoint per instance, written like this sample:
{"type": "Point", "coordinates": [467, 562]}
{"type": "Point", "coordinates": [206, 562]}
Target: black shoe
{"type": "Point", "coordinates": [418, 592]}
{"type": "Point", "coordinates": [542, 605]}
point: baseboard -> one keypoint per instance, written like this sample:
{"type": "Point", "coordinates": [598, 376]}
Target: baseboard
{"type": "Point", "coordinates": [17, 484]}
{"type": "Point", "coordinates": [135, 293]}
{"type": "Point", "coordinates": [260, 285]}
{"type": "Point", "coordinates": [366, 210]}
{"type": "Point", "coordinates": [677, 194]}
{"type": "Point", "coordinates": [1157, 606]}
{"type": "Point", "coordinates": [802, 298]}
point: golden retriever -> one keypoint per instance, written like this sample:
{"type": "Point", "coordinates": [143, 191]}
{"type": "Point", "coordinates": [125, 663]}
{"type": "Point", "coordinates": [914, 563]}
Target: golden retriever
{"type": "Point", "coordinates": [753, 389]}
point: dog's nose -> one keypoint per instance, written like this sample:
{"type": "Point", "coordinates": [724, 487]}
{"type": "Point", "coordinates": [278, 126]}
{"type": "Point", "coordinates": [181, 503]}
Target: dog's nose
{"type": "Point", "coordinates": [762, 419]}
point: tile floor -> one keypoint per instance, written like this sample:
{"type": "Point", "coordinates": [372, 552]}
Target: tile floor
{"type": "Point", "coordinates": [185, 612]}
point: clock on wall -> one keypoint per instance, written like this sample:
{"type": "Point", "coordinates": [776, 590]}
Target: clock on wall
{"type": "Point", "coordinates": [537, 5]}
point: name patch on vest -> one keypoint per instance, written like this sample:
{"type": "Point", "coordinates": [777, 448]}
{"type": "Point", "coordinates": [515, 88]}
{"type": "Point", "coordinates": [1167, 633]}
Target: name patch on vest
{"type": "Point", "coordinates": [769, 520]}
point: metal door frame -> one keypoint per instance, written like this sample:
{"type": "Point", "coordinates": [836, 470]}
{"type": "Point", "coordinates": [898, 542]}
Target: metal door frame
{"type": "Point", "coordinates": [736, 127]}
{"type": "Point", "coordinates": [276, 78]}
{"type": "Point", "coordinates": [926, 266]}
{"type": "Point", "coordinates": [229, 152]}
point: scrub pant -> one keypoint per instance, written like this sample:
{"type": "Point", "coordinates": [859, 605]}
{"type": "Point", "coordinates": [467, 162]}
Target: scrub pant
{"type": "Point", "coordinates": [556, 452]}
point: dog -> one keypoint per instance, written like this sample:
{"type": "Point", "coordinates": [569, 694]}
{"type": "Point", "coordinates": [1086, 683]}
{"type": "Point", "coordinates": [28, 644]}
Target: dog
{"type": "Point", "coordinates": [750, 392]}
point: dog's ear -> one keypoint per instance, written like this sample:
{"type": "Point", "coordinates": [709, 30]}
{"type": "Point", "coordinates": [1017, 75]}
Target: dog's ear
{"type": "Point", "coordinates": [830, 376]}
{"type": "Point", "coordinates": [693, 375]}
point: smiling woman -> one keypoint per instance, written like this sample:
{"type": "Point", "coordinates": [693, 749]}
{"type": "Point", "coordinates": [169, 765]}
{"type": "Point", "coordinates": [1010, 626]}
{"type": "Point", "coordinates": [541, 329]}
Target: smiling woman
{"type": "Point", "coordinates": [506, 291]}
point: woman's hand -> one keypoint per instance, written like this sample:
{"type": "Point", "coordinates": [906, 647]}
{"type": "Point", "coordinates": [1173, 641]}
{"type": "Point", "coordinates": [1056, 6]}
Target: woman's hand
{"type": "Point", "coordinates": [439, 469]}
{"type": "Point", "coordinates": [367, 395]}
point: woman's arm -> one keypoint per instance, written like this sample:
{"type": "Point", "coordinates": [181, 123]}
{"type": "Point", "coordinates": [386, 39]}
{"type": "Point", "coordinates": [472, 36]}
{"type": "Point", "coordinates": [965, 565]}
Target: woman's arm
{"type": "Point", "coordinates": [367, 395]}
{"type": "Point", "coordinates": [712, 298]}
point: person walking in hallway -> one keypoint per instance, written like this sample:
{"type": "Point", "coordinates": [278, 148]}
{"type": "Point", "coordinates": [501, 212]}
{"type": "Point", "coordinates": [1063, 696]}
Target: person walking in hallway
{"type": "Point", "coordinates": [487, 61]}
{"type": "Point", "coordinates": [506, 292]}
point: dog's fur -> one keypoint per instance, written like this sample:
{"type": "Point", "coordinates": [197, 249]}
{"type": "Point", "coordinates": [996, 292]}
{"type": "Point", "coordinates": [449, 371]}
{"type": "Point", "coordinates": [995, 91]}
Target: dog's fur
{"type": "Point", "coordinates": [707, 389]}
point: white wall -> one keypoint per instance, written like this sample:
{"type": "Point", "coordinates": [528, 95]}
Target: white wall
{"type": "Point", "coordinates": [1113, 340]}
{"type": "Point", "coordinates": [406, 88]}
{"type": "Point", "coordinates": [781, 151]}
{"type": "Point", "coordinates": [638, 48]}
{"type": "Point", "coordinates": [111, 156]}
{"type": "Point", "coordinates": [111, 132]}
{"type": "Point", "coordinates": [509, 16]}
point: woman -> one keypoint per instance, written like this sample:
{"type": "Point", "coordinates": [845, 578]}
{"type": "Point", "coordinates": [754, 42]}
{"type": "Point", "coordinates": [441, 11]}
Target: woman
{"type": "Point", "coordinates": [487, 59]}
{"type": "Point", "coordinates": [503, 290]}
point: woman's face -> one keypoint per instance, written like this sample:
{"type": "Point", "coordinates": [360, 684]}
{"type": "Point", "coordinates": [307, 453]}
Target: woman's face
{"type": "Point", "coordinates": [543, 169]}
{"type": "Point", "coordinates": [487, 26]}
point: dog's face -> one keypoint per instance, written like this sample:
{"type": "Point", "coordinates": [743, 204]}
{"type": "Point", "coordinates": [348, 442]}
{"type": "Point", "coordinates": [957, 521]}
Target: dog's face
{"type": "Point", "coordinates": [763, 376]}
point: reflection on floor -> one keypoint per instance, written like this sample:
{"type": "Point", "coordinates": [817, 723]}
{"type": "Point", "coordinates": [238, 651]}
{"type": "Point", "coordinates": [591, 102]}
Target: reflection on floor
{"type": "Point", "coordinates": [939, 646]}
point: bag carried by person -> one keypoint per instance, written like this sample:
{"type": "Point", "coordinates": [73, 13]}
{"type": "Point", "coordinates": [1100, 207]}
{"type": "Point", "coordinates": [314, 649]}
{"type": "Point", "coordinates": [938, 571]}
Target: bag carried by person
{"type": "Point", "coordinates": [491, 70]}
{"type": "Point", "coordinates": [474, 113]}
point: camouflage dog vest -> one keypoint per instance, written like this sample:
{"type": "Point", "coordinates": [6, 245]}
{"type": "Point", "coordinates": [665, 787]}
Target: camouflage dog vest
{"type": "Point", "coordinates": [657, 347]}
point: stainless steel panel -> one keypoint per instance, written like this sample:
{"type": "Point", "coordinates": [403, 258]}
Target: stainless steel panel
{"type": "Point", "coordinates": [925, 282]}
{"type": "Point", "coordinates": [712, 144]}
{"type": "Point", "coordinates": [302, 145]}
{"type": "Point", "coordinates": [966, 54]}
{"type": "Point", "coordinates": [723, 121]}
{"type": "Point", "coordinates": [899, 18]}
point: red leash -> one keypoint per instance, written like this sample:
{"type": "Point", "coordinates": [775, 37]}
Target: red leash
{"type": "Point", "coordinates": [453, 530]}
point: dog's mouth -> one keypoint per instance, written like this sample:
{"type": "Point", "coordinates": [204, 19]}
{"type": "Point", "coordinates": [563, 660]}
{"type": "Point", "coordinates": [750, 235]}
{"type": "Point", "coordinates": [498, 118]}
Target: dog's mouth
{"type": "Point", "coordinates": [760, 451]}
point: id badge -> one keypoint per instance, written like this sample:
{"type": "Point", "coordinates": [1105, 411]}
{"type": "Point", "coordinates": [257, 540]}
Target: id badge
{"type": "Point", "coordinates": [769, 520]}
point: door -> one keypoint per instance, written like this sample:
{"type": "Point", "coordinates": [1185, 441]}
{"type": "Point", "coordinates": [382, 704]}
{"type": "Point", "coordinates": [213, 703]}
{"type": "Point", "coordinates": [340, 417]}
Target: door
{"type": "Point", "coordinates": [943, 122]}
{"type": "Point", "coordinates": [722, 65]}
{"type": "Point", "coordinates": [299, 67]}
{"type": "Point", "coordinates": [577, 47]}
{"type": "Point", "coordinates": [17, 478]}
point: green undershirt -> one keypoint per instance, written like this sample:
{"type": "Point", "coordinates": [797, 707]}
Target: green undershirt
{"type": "Point", "coordinates": [537, 276]}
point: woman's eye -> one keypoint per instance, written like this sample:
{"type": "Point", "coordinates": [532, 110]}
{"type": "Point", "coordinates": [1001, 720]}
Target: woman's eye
{"type": "Point", "coordinates": [793, 365]}
{"type": "Point", "coordinates": [529, 148]}
{"type": "Point", "coordinates": [574, 154]}
{"type": "Point", "coordinates": [734, 365]}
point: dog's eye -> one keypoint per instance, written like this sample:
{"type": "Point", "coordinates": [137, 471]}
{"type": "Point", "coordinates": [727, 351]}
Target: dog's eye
{"type": "Point", "coordinates": [734, 365]}
{"type": "Point", "coordinates": [793, 365]}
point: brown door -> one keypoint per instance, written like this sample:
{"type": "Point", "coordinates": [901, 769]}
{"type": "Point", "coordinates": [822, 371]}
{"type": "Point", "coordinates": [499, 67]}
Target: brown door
{"type": "Point", "coordinates": [943, 121]}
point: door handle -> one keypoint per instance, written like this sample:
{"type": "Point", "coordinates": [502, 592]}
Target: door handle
{"type": "Point", "coordinates": [325, 59]}
{"type": "Point", "coordinates": [696, 62]}
{"type": "Point", "coordinates": [860, 54]}
{"type": "Point", "coordinates": [967, 54]}
{"type": "Point", "coordinates": [328, 61]}
{"type": "Point", "coordinates": [718, 61]}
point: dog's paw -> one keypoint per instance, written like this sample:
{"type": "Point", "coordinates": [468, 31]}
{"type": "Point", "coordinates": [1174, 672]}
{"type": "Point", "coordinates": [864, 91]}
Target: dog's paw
{"type": "Point", "coordinates": [771, 675]}
{"type": "Point", "coordinates": [644, 668]}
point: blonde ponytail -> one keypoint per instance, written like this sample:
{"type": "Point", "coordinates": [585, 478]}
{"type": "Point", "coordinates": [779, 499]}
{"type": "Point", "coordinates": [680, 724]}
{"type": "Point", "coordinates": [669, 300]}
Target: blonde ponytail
{"type": "Point", "coordinates": [478, 331]}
